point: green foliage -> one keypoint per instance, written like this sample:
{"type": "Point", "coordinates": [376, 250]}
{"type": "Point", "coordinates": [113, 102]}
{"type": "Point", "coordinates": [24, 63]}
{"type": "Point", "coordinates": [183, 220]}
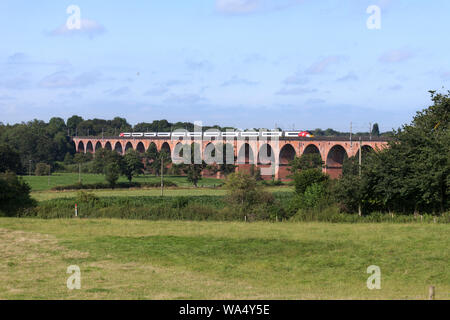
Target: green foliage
{"type": "Point", "coordinates": [248, 198]}
{"type": "Point", "coordinates": [82, 157]}
{"type": "Point", "coordinates": [121, 185]}
{"type": "Point", "coordinates": [42, 169]}
{"type": "Point", "coordinates": [194, 168]}
{"type": "Point", "coordinates": [68, 158]}
{"type": "Point", "coordinates": [112, 173]}
{"type": "Point", "coordinates": [306, 161]}
{"type": "Point", "coordinates": [14, 194]}
{"type": "Point", "coordinates": [154, 158]}
{"type": "Point", "coordinates": [375, 130]}
{"type": "Point", "coordinates": [9, 160]}
{"type": "Point", "coordinates": [86, 197]}
{"type": "Point", "coordinates": [410, 176]}
{"type": "Point", "coordinates": [132, 164]}
{"type": "Point", "coordinates": [306, 178]}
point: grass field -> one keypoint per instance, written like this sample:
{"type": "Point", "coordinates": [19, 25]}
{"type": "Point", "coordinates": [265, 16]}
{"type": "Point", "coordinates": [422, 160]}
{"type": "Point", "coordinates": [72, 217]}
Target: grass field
{"type": "Point", "coordinates": [169, 192]}
{"type": "Point", "coordinates": [215, 260]}
{"type": "Point", "coordinates": [43, 183]}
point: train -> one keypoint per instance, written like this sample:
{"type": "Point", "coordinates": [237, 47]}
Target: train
{"type": "Point", "coordinates": [217, 134]}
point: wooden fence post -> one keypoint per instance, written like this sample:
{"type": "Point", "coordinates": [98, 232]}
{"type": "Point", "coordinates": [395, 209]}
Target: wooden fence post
{"type": "Point", "coordinates": [431, 293]}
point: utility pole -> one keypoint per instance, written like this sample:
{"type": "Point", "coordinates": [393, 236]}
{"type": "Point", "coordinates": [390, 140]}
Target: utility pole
{"type": "Point", "coordinates": [162, 176]}
{"type": "Point", "coordinates": [360, 162]}
{"type": "Point", "coordinates": [351, 144]}
{"type": "Point", "coordinates": [370, 130]}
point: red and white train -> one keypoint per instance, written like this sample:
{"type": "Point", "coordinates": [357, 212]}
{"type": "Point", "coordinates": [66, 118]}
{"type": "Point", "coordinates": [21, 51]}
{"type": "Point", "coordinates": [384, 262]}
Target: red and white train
{"type": "Point", "coordinates": [217, 134]}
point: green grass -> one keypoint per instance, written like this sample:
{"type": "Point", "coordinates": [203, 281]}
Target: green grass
{"type": "Point", "coordinates": [63, 179]}
{"type": "Point", "coordinates": [221, 260]}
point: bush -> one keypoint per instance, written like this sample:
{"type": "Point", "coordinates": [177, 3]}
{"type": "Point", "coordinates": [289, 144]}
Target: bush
{"type": "Point", "coordinates": [14, 195]}
{"type": "Point", "coordinates": [86, 197]}
{"type": "Point", "coordinates": [42, 169]}
{"type": "Point", "coordinates": [305, 178]}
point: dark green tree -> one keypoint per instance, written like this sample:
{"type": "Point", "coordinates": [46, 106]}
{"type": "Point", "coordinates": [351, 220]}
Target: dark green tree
{"type": "Point", "coordinates": [375, 130]}
{"type": "Point", "coordinates": [132, 164]}
{"type": "Point", "coordinates": [10, 160]}
{"type": "Point", "coordinates": [306, 161]}
{"type": "Point", "coordinates": [112, 173]}
{"type": "Point", "coordinates": [305, 178]}
{"type": "Point", "coordinates": [14, 194]}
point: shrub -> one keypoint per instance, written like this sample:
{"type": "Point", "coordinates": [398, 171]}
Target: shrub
{"type": "Point", "coordinates": [305, 178]}
{"type": "Point", "coordinates": [42, 169]}
{"type": "Point", "coordinates": [86, 197]}
{"type": "Point", "coordinates": [14, 194]}
{"type": "Point", "coordinates": [112, 173]}
{"type": "Point", "coordinates": [247, 197]}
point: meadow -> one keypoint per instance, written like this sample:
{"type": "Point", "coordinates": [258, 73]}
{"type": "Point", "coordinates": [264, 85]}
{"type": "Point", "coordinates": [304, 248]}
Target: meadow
{"type": "Point", "coordinates": [135, 259]}
{"type": "Point", "coordinates": [43, 183]}
{"type": "Point", "coordinates": [148, 257]}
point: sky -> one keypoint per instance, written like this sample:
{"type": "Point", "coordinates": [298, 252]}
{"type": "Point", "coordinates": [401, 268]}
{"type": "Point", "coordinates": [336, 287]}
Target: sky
{"type": "Point", "coordinates": [300, 64]}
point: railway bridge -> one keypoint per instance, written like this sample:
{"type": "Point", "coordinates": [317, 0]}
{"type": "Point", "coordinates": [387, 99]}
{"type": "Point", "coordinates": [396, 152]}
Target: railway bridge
{"type": "Point", "coordinates": [263, 153]}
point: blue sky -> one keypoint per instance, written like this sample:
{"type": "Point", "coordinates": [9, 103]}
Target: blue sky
{"type": "Point", "coordinates": [244, 63]}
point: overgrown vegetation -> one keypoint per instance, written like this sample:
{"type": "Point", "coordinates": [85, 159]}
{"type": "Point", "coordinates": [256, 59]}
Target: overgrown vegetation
{"type": "Point", "coordinates": [14, 195]}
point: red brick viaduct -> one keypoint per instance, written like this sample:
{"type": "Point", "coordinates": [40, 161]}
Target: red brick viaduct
{"type": "Point", "coordinates": [333, 150]}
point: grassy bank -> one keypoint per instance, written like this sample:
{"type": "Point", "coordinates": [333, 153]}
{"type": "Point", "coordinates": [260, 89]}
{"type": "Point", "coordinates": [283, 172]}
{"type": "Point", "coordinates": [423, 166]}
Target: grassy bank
{"type": "Point", "coordinates": [63, 179]}
{"type": "Point", "coordinates": [216, 260]}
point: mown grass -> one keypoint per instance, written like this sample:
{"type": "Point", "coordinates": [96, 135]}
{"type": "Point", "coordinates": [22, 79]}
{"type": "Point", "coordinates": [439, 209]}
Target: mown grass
{"type": "Point", "coordinates": [169, 192]}
{"type": "Point", "coordinates": [133, 259]}
{"type": "Point", "coordinates": [43, 183]}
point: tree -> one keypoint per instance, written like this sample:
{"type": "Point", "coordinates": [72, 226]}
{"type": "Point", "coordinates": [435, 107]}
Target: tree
{"type": "Point", "coordinates": [375, 130]}
{"type": "Point", "coordinates": [112, 173]}
{"type": "Point", "coordinates": [306, 161]}
{"type": "Point", "coordinates": [412, 174]}
{"type": "Point", "coordinates": [42, 169]}
{"type": "Point", "coordinates": [305, 178]}
{"type": "Point", "coordinates": [101, 158]}
{"type": "Point", "coordinates": [132, 164]}
{"type": "Point", "coordinates": [73, 122]}
{"type": "Point", "coordinates": [9, 160]}
{"type": "Point", "coordinates": [244, 191]}
{"type": "Point", "coordinates": [194, 169]}
{"type": "Point", "coordinates": [14, 194]}
{"type": "Point", "coordinates": [153, 158]}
